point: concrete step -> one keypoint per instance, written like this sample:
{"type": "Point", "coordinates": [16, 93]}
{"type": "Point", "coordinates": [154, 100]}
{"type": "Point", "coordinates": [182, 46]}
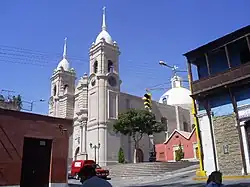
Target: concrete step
{"type": "Point", "coordinates": [146, 168]}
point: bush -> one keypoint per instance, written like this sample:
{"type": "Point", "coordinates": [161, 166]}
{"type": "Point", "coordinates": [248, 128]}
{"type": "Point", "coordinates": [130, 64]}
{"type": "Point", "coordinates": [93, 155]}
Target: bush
{"type": "Point", "coordinates": [179, 154]}
{"type": "Point", "coordinates": [121, 157]}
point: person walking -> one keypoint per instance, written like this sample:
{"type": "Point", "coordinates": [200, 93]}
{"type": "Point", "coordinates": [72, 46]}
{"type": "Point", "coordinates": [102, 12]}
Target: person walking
{"type": "Point", "coordinates": [215, 179]}
{"type": "Point", "coordinates": [89, 178]}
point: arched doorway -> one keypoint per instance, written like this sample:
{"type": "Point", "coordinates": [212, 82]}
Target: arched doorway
{"type": "Point", "coordinates": [139, 155]}
{"type": "Point", "coordinates": [76, 152]}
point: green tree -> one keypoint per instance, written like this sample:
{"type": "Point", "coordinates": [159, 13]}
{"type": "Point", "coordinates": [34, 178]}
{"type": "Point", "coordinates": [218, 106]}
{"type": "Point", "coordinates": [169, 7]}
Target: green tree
{"type": "Point", "coordinates": [135, 123]}
{"type": "Point", "coordinates": [179, 154]}
{"type": "Point", "coordinates": [121, 157]}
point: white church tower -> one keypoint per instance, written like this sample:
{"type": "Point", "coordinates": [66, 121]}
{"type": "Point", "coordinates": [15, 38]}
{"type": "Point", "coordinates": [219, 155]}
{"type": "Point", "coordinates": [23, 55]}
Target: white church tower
{"type": "Point", "coordinates": [61, 102]}
{"type": "Point", "coordinates": [103, 93]}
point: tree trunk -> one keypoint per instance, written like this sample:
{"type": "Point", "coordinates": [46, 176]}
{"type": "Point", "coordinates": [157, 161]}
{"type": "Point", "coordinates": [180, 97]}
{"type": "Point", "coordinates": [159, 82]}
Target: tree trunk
{"type": "Point", "coordinates": [135, 155]}
{"type": "Point", "coordinates": [135, 150]}
{"type": "Point", "coordinates": [136, 142]}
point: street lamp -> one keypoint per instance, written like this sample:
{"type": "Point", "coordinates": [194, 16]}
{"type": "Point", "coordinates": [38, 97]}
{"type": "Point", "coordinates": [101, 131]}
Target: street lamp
{"type": "Point", "coordinates": [95, 147]}
{"type": "Point", "coordinates": [174, 68]}
{"type": "Point", "coordinates": [32, 103]}
{"type": "Point", "coordinates": [162, 63]}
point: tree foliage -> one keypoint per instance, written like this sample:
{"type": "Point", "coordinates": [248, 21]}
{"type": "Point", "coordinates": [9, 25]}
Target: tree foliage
{"type": "Point", "coordinates": [137, 122]}
{"type": "Point", "coordinates": [179, 154]}
{"type": "Point", "coordinates": [121, 157]}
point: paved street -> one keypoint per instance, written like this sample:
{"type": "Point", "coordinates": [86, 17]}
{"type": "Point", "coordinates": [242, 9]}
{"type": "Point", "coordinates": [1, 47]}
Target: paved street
{"type": "Point", "coordinates": [184, 180]}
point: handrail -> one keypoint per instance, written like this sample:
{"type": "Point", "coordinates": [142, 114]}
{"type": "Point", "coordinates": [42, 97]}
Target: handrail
{"type": "Point", "coordinates": [221, 73]}
{"type": "Point", "coordinates": [230, 76]}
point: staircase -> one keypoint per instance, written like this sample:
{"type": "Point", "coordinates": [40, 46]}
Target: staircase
{"type": "Point", "coordinates": [146, 168]}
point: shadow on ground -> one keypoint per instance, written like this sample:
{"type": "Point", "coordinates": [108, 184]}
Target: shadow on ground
{"type": "Point", "coordinates": [195, 185]}
{"type": "Point", "coordinates": [179, 185]}
{"type": "Point", "coordinates": [174, 184]}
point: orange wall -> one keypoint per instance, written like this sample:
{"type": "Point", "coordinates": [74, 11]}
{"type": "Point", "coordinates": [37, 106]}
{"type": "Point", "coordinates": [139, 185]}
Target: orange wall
{"type": "Point", "coordinates": [165, 151]}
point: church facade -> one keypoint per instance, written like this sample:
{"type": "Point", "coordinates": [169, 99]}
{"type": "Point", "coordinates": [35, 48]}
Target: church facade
{"type": "Point", "coordinates": [95, 102]}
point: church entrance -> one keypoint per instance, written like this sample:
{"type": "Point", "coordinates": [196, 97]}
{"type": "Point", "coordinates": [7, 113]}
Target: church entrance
{"type": "Point", "coordinates": [139, 155]}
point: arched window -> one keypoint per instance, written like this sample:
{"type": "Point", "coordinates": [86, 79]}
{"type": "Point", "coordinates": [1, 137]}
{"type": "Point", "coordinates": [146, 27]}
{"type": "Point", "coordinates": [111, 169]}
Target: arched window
{"type": "Point", "coordinates": [95, 67]}
{"type": "Point", "coordinates": [110, 66]}
{"type": "Point", "coordinates": [65, 88]}
{"type": "Point", "coordinates": [54, 91]}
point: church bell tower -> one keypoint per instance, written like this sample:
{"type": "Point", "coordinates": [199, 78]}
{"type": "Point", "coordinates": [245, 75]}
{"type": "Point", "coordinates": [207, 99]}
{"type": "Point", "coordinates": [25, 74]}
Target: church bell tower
{"type": "Point", "coordinates": [61, 103]}
{"type": "Point", "coordinates": [103, 92]}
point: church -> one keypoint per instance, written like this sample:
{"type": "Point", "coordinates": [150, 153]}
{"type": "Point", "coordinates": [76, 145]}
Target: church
{"type": "Point", "coordinates": [95, 101]}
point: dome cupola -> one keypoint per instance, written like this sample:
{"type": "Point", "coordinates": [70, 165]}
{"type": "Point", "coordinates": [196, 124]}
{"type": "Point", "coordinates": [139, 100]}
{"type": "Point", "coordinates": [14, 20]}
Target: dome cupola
{"type": "Point", "coordinates": [64, 64]}
{"type": "Point", "coordinates": [104, 35]}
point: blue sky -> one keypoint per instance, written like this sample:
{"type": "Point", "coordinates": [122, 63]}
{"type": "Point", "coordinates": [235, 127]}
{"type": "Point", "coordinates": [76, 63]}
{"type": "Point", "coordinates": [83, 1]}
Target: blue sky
{"type": "Point", "coordinates": [146, 32]}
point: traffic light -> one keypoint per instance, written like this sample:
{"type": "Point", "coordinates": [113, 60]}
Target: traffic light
{"type": "Point", "coordinates": [147, 101]}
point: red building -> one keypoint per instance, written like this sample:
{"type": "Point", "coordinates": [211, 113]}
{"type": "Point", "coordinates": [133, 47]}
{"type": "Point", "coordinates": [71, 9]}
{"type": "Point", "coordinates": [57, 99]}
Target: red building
{"type": "Point", "coordinates": [188, 142]}
{"type": "Point", "coordinates": [33, 149]}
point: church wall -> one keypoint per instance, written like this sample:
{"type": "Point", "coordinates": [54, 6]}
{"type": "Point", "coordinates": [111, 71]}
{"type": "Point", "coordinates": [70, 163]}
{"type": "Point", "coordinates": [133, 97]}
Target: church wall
{"type": "Point", "coordinates": [186, 119]}
{"type": "Point", "coordinates": [169, 112]}
{"type": "Point", "coordinates": [127, 101]}
{"type": "Point", "coordinates": [93, 138]}
{"type": "Point", "coordinates": [114, 143]}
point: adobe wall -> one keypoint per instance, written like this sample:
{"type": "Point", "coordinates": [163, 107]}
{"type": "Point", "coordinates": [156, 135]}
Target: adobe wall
{"type": "Point", "coordinates": [18, 125]}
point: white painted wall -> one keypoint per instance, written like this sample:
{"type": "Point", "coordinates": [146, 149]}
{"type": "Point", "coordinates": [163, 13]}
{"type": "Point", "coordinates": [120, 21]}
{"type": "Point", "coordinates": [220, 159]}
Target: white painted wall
{"type": "Point", "coordinates": [245, 145]}
{"type": "Point", "coordinates": [209, 165]}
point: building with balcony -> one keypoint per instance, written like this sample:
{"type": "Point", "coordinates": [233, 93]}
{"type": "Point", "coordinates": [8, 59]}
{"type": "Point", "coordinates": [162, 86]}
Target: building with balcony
{"type": "Point", "coordinates": [222, 94]}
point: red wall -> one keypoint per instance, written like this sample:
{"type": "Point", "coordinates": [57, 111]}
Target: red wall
{"type": "Point", "coordinates": [18, 125]}
{"type": "Point", "coordinates": [165, 151]}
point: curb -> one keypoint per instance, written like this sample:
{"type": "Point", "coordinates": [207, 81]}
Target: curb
{"type": "Point", "coordinates": [232, 177]}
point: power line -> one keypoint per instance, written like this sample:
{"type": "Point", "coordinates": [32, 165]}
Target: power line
{"type": "Point", "coordinates": [23, 56]}
{"type": "Point", "coordinates": [39, 59]}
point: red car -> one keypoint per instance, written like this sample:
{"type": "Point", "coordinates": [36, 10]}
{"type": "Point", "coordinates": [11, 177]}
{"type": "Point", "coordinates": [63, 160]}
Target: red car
{"type": "Point", "coordinates": [100, 172]}
{"type": "Point", "coordinates": [78, 164]}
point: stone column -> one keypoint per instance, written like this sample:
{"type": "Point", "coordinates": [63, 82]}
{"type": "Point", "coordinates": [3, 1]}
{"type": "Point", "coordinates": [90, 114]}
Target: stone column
{"type": "Point", "coordinates": [81, 138]}
{"type": "Point", "coordinates": [166, 135]}
{"type": "Point", "coordinates": [177, 118]}
{"type": "Point", "coordinates": [245, 145]}
{"type": "Point", "coordinates": [102, 139]}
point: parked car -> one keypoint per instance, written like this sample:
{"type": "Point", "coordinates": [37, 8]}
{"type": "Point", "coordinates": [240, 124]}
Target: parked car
{"type": "Point", "coordinates": [100, 172]}
{"type": "Point", "coordinates": [78, 164]}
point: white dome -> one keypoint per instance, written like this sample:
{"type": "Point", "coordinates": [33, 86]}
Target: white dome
{"type": "Point", "coordinates": [104, 35]}
{"type": "Point", "coordinates": [64, 64]}
{"type": "Point", "coordinates": [176, 96]}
